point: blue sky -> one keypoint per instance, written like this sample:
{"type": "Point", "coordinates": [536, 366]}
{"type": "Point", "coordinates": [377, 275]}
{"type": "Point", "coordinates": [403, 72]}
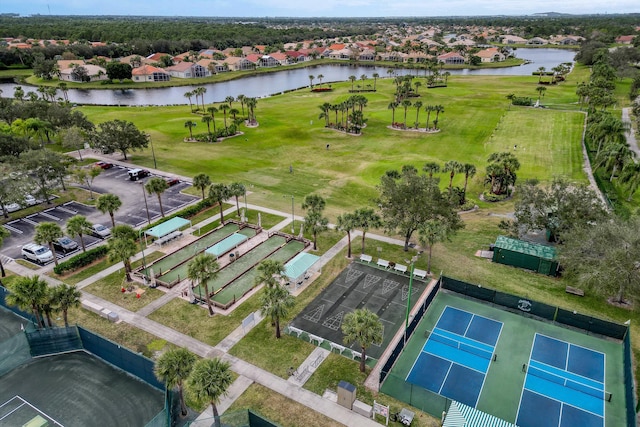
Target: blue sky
{"type": "Point", "coordinates": [329, 8]}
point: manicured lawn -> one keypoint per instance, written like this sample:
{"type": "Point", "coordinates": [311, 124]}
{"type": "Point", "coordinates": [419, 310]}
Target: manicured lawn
{"type": "Point", "coordinates": [346, 175]}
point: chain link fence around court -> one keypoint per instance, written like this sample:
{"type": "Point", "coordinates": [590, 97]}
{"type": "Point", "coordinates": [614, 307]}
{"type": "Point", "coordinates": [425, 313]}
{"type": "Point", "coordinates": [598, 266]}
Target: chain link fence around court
{"type": "Point", "coordinates": [528, 307]}
{"type": "Point", "coordinates": [242, 418]}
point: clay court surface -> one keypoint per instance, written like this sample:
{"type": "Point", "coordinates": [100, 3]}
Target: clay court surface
{"type": "Point", "coordinates": [360, 286]}
{"type": "Point", "coordinates": [76, 389]}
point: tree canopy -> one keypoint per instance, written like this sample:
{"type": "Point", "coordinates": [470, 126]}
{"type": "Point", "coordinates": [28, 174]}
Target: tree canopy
{"type": "Point", "coordinates": [119, 135]}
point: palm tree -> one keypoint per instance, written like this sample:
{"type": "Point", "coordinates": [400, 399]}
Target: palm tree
{"type": "Point", "coordinates": [201, 182]}
{"type": "Point", "coordinates": [541, 71]}
{"type": "Point", "coordinates": [48, 232]}
{"type": "Point", "coordinates": [613, 157]}
{"type": "Point", "coordinates": [405, 104]}
{"type": "Point", "coordinates": [234, 112]}
{"type": "Point", "coordinates": [241, 99]}
{"type": "Point", "coordinates": [4, 233]}
{"type": "Point", "coordinates": [173, 368]}
{"type": "Point", "coordinates": [109, 203]}
{"type": "Point", "coordinates": [320, 77]}
{"type": "Point", "coordinates": [251, 105]}
{"type": "Point", "coordinates": [364, 326]}
{"type": "Point", "coordinates": [428, 109]}
{"type": "Point", "coordinates": [630, 176]}
{"type": "Point", "coordinates": [229, 100]}
{"type": "Point", "coordinates": [366, 219]}
{"type": "Point", "coordinates": [65, 90]}
{"type": "Point", "coordinates": [375, 79]}
{"type": "Point", "coordinates": [311, 77]}
{"type": "Point", "coordinates": [213, 111]}
{"type": "Point", "coordinates": [66, 297]}
{"type": "Point", "coordinates": [392, 106]}
{"type": "Point", "coordinates": [209, 381]}
{"type": "Point", "coordinates": [347, 223]}
{"type": "Point", "coordinates": [270, 272]}
{"type": "Point", "coordinates": [189, 95]}
{"type": "Point", "coordinates": [469, 172]}
{"type": "Point", "coordinates": [418, 105]}
{"type": "Point", "coordinates": [431, 168]}
{"type": "Point", "coordinates": [352, 78]}
{"type": "Point", "coordinates": [122, 249]}
{"type": "Point", "coordinates": [201, 91]}
{"type": "Point", "coordinates": [417, 85]}
{"type": "Point", "coordinates": [219, 193]}
{"type": "Point", "coordinates": [452, 167]}
{"type": "Point", "coordinates": [438, 109]}
{"type": "Point", "coordinates": [78, 226]}
{"type": "Point", "coordinates": [276, 302]}
{"type": "Point", "coordinates": [201, 269]}
{"type": "Point", "coordinates": [541, 90]}
{"type": "Point", "coordinates": [28, 293]}
{"type": "Point", "coordinates": [432, 232]}
{"type": "Point", "coordinates": [157, 186]}
{"type": "Point", "coordinates": [190, 124]}
{"type": "Point", "coordinates": [237, 189]}
{"type": "Point", "coordinates": [224, 108]}
{"type": "Point", "coordinates": [207, 120]}
{"type": "Point", "coordinates": [325, 113]}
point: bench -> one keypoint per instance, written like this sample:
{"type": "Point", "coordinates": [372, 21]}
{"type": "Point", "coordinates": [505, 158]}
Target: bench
{"type": "Point", "coordinates": [296, 331]}
{"type": "Point", "coordinates": [383, 263]}
{"type": "Point", "coordinates": [316, 338]}
{"type": "Point", "coordinates": [338, 347]}
{"type": "Point", "coordinates": [169, 237]}
{"type": "Point", "coordinates": [401, 268]}
{"type": "Point", "coordinates": [574, 291]}
{"type": "Point", "coordinates": [419, 273]}
{"type": "Point", "coordinates": [366, 258]}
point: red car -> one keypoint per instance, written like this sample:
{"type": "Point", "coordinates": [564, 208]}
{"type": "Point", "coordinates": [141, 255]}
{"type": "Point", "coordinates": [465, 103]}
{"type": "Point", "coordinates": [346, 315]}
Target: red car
{"type": "Point", "coordinates": [104, 165]}
{"type": "Point", "coordinates": [172, 181]}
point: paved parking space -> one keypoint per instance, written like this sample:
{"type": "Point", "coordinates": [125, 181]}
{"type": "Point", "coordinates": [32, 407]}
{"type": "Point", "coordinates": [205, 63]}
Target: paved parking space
{"type": "Point", "coordinates": [114, 180]}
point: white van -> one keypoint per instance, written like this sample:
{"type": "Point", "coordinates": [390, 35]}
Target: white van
{"type": "Point", "coordinates": [37, 253]}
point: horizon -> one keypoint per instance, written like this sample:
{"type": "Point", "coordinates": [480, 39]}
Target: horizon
{"type": "Point", "coordinates": [328, 9]}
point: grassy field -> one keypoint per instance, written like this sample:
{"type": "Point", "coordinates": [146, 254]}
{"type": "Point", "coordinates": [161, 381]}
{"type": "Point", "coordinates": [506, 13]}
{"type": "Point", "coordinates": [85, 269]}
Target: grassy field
{"type": "Point", "coordinates": [477, 121]}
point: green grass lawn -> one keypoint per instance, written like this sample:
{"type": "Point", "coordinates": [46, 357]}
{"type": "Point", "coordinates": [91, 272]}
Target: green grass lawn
{"type": "Point", "coordinates": [290, 134]}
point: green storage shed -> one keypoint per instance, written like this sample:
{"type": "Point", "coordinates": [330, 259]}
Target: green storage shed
{"type": "Point", "coordinates": [539, 258]}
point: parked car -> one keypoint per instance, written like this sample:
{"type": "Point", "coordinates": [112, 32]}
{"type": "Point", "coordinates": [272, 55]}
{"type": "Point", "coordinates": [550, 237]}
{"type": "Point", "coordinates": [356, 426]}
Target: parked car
{"type": "Point", "coordinates": [136, 174]}
{"type": "Point", "coordinates": [172, 181]}
{"type": "Point", "coordinates": [104, 165]}
{"type": "Point", "coordinates": [99, 230]}
{"type": "Point", "coordinates": [37, 253]}
{"type": "Point", "coordinates": [30, 200]}
{"type": "Point", "coordinates": [12, 207]}
{"type": "Point", "coordinates": [65, 245]}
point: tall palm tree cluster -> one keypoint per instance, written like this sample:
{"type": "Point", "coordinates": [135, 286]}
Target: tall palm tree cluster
{"type": "Point", "coordinates": [33, 294]}
{"type": "Point", "coordinates": [351, 119]}
{"type": "Point", "coordinates": [220, 192]}
{"type": "Point", "coordinates": [429, 126]}
{"type": "Point", "coordinates": [228, 111]}
{"type": "Point", "coordinates": [458, 196]}
{"type": "Point", "coordinates": [501, 173]}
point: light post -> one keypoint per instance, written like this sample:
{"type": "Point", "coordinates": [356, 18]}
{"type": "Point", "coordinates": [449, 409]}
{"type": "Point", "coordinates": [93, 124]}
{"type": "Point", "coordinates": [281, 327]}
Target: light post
{"type": "Point", "coordinates": [144, 260]}
{"type": "Point", "coordinates": [153, 152]}
{"type": "Point", "coordinates": [406, 322]}
{"type": "Point", "coordinates": [146, 206]}
{"type": "Point", "coordinates": [293, 216]}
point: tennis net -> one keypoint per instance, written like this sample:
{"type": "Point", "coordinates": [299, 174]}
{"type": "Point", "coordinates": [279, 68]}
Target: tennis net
{"type": "Point", "coordinates": [566, 382]}
{"type": "Point", "coordinates": [469, 348]}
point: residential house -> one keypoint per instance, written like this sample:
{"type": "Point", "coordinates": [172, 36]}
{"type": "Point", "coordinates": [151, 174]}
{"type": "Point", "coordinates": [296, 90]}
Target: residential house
{"type": "Point", "coordinates": [511, 39]}
{"type": "Point", "coordinates": [236, 63]}
{"type": "Point", "coordinates": [134, 60]}
{"type": "Point", "coordinates": [451, 58]}
{"type": "Point", "coordinates": [491, 54]}
{"type": "Point", "coordinates": [213, 66]}
{"type": "Point", "coordinates": [187, 70]}
{"type": "Point", "coordinates": [296, 56]}
{"type": "Point", "coordinates": [566, 40]}
{"type": "Point", "coordinates": [367, 55]}
{"type": "Point", "coordinates": [417, 57]}
{"type": "Point", "coordinates": [155, 57]}
{"type": "Point", "coordinates": [68, 63]}
{"type": "Point", "coordinates": [393, 56]}
{"type": "Point", "coordinates": [625, 39]}
{"type": "Point", "coordinates": [282, 58]}
{"type": "Point", "coordinates": [537, 41]}
{"type": "Point", "coordinates": [342, 54]}
{"type": "Point", "coordinates": [149, 73]}
{"type": "Point", "coordinates": [95, 73]}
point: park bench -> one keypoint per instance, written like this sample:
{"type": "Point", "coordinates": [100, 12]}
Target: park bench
{"type": "Point", "coordinates": [574, 291]}
{"type": "Point", "coordinates": [420, 273]}
{"type": "Point", "coordinates": [383, 263]}
{"type": "Point", "coordinates": [366, 258]}
{"type": "Point", "coordinates": [400, 268]}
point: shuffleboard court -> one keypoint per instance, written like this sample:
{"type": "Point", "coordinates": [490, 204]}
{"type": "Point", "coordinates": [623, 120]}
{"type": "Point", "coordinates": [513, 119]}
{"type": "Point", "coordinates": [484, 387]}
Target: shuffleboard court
{"type": "Point", "coordinates": [246, 261]}
{"type": "Point", "coordinates": [79, 390]}
{"type": "Point", "coordinates": [188, 251]}
{"type": "Point", "coordinates": [240, 286]}
{"type": "Point", "coordinates": [384, 292]}
{"type": "Point", "coordinates": [567, 382]}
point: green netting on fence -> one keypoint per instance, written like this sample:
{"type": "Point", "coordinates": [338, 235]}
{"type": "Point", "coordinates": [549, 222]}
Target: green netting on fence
{"type": "Point", "coordinates": [416, 396]}
{"type": "Point", "coordinates": [14, 352]}
{"type": "Point", "coordinates": [45, 342]}
{"type": "Point", "coordinates": [241, 418]}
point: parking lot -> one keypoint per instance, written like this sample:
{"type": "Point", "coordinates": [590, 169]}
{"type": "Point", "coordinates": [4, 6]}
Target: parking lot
{"type": "Point", "coordinates": [114, 180]}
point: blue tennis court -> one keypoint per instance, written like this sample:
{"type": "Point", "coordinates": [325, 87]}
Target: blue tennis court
{"type": "Point", "coordinates": [565, 382]}
{"type": "Point", "coordinates": [456, 357]}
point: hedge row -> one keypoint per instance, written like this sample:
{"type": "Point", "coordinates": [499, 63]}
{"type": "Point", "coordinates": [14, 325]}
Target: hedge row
{"type": "Point", "coordinates": [80, 260]}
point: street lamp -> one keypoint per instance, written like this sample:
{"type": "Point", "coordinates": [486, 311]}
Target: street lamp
{"type": "Point", "coordinates": [406, 322]}
{"type": "Point", "coordinates": [144, 260]}
{"type": "Point", "coordinates": [153, 152]}
{"type": "Point", "coordinates": [293, 216]}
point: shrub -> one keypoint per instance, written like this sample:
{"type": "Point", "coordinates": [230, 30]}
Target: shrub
{"type": "Point", "coordinates": [490, 197]}
{"type": "Point", "coordinates": [80, 260]}
{"type": "Point", "coordinates": [522, 100]}
{"type": "Point", "coordinates": [468, 205]}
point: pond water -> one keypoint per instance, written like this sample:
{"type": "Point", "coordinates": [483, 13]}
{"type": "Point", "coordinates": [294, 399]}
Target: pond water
{"type": "Point", "coordinates": [267, 84]}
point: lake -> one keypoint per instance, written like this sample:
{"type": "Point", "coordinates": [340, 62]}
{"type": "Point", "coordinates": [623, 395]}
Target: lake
{"type": "Point", "coordinates": [268, 84]}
